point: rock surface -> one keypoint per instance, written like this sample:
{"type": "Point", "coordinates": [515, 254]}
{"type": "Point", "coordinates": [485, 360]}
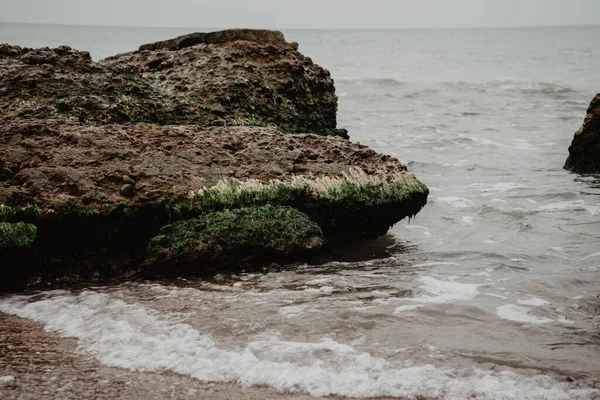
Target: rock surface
{"type": "Point", "coordinates": [60, 165]}
{"type": "Point", "coordinates": [232, 78]}
{"type": "Point", "coordinates": [584, 152]}
{"type": "Point", "coordinates": [65, 182]}
{"type": "Point", "coordinates": [239, 237]}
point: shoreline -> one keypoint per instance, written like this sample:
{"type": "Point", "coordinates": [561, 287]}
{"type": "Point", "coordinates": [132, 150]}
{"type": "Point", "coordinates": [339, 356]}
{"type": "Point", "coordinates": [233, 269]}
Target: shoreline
{"type": "Point", "coordinates": [46, 365]}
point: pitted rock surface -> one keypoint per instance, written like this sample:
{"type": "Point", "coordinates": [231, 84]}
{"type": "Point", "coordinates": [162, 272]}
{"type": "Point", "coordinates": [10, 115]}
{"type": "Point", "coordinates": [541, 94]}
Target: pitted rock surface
{"type": "Point", "coordinates": [228, 78]}
{"type": "Point", "coordinates": [52, 162]}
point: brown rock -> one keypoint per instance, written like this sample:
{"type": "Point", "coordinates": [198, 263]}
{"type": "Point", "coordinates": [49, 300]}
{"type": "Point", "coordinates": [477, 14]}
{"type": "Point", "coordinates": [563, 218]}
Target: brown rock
{"type": "Point", "coordinates": [260, 153]}
{"type": "Point", "coordinates": [174, 75]}
{"type": "Point", "coordinates": [584, 152]}
{"type": "Point", "coordinates": [127, 190]}
{"type": "Point", "coordinates": [127, 179]}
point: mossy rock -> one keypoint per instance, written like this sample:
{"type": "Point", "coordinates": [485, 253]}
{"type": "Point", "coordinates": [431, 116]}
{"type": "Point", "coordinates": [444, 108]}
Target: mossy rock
{"type": "Point", "coordinates": [231, 238]}
{"type": "Point", "coordinates": [18, 253]}
{"type": "Point", "coordinates": [17, 235]}
{"type": "Point", "coordinates": [354, 207]}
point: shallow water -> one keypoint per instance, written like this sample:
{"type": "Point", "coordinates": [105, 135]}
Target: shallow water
{"type": "Point", "coordinates": [491, 292]}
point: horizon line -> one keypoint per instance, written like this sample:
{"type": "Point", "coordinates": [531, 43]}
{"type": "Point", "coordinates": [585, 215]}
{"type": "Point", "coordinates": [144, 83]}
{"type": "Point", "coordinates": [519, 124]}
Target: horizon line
{"type": "Point", "coordinates": [307, 29]}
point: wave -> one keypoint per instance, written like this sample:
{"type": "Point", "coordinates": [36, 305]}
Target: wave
{"type": "Point", "coordinates": [421, 93]}
{"type": "Point", "coordinates": [369, 96]}
{"type": "Point", "coordinates": [135, 337]}
{"type": "Point", "coordinates": [372, 81]}
{"type": "Point", "coordinates": [513, 85]}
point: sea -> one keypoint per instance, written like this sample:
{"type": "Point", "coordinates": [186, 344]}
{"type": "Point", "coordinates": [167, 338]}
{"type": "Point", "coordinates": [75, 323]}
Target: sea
{"type": "Point", "coordinates": [491, 292]}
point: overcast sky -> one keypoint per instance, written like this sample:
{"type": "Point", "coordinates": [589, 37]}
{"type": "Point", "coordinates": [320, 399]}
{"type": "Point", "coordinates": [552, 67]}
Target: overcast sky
{"type": "Point", "coordinates": [286, 14]}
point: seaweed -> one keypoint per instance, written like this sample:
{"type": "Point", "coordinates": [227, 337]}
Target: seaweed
{"type": "Point", "coordinates": [233, 236]}
{"type": "Point", "coordinates": [17, 235]}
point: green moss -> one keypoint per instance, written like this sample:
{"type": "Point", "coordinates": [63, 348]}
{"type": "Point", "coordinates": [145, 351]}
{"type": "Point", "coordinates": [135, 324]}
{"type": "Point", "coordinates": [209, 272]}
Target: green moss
{"type": "Point", "coordinates": [17, 235]}
{"type": "Point", "coordinates": [344, 193]}
{"type": "Point", "coordinates": [243, 233]}
{"type": "Point", "coordinates": [354, 206]}
{"type": "Point", "coordinates": [14, 214]}
{"type": "Point", "coordinates": [353, 195]}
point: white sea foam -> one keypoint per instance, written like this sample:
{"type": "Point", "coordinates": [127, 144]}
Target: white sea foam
{"type": "Point", "coordinates": [435, 264]}
{"type": "Point", "coordinates": [522, 144]}
{"type": "Point", "coordinates": [496, 295]}
{"type": "Point", "coordinates": [515, 313]}
{"type": "Point", "coordinates": [403, 309]}
{"type": "Point", "coordinates": [487, 272]}
{"type": "Point", "coordinates": [425, 233]}
{"type": "Point", "coordinates": [593, 210]}
{"type": "Point", "coordinates": [467, 220]}
{"type": "Point", "coordinates": [456, 202]}
{"type": "Point", "coordinates": [416, 227]}
{"type": "Point", "coordinates": [318, 282]}
{"type": "Point", "coordinates": [562, 206]}
{"type": "Point", "coordinates": [134, 337]}
{"type": "Point", "coordinates": [443, 291]}
{"type": "Point", "coordinates": [501, 187]}
{"type": "Point", "coordinates": [6, 380]}
{"type": "Point", "coordinates": [484, 141]}
{"type": "Point", "coordinates": [564, 320]}
{"type": "Point", "coordinates": [459, 163]}
{"type": "Point", "coordinates": [534, 301]}
{"type": "Point", "coordinates": [575, 205]}
{"type": "Point", "coordinates": [292, 311]}
{"type": "Point", "coordinates": [327, 289]}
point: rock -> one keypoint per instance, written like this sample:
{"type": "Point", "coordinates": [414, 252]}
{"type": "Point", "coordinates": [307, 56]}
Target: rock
{"type": "Point", "coordinates": [584, 152]}
{"type": "Point", "coordinates": [201, 79]}
{"type": "Point", "coordinates": [350, 192]}
{"type": "Point", "coordinates": [204, 197]}
{"type": "Point", "coordinates": [153, 63]}
{"type": "Point", "coordinates": [249, 35]}
{"type": "Point", "coordinates": [127, 190]}
{"type": "Point", "coordinates": [240, 238]}
{"type": "Point", "coordinates": [127, 179]}
{"type": "Point", "coordinates": [7, 380]}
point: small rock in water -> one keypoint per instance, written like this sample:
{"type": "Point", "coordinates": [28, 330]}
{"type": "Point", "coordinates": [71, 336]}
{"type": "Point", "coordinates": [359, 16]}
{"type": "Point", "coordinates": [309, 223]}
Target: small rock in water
{"type": "Point", "coordinates": [6, 380]}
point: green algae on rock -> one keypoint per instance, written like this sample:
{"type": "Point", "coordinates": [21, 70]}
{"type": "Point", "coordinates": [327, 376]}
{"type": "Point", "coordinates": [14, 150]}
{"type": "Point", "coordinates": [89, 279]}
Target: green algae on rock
{"type": "Point", "coordinates": [233, 238]}
{"type": "Point", "coordinates": [17, 235]}
{"type": "Point", "coordinates": [584, 152]}
{"type": "Point", "coordinates": [18, 242]}
{"type": "Point", "coordinates": [353, 205]}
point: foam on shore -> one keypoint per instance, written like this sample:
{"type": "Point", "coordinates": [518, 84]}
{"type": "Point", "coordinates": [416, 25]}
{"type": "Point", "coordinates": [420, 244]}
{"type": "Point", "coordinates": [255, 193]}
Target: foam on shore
{"type": "Point", "coordinates": [135, 337]}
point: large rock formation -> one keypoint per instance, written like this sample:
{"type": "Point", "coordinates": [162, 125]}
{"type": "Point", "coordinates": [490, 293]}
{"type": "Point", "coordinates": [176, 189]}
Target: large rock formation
{"type": "Point", "coordinates": [233, 78]}
{"type": "Point", "coordinates": [111, 170]}
{"type": "Point", "coordinates": [584, 153]}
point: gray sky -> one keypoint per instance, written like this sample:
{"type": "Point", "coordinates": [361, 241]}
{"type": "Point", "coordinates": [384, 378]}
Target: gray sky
{"type": "Point", "coordinates": [286, 14]}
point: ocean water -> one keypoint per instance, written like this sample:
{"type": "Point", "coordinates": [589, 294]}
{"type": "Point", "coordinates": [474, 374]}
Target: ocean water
{"type": "Point", "coordinates": [492, 292]}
